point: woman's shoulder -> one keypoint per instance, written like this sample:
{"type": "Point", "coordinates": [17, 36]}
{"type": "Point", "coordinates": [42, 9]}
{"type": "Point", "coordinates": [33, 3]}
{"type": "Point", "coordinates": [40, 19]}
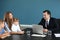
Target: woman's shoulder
{"type": "Point", "coordinates": [13, 25]}
{"type": "Point", "coordinates": [5, 23]}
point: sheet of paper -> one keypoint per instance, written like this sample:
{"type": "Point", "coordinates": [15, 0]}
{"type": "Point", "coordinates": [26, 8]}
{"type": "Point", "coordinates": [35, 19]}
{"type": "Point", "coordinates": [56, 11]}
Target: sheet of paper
{"type": "Point", "coordinates": [37, 35]}
{"type": "Point", "coordinates": [57, 35]}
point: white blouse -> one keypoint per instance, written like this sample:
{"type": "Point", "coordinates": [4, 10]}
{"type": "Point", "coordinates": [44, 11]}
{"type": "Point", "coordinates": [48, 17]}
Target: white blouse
{"type": "Point", "coordinates": [15, 28]}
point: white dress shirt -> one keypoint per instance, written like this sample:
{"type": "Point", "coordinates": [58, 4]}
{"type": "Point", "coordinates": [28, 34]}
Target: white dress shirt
{"type": "Point", "coordinates": [48, 21]}
{"type": "Point", "coordinates": [15, 28]}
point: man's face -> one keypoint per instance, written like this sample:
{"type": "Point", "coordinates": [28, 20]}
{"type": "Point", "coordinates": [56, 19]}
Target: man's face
{"type": "Point", "coordinates": [46, 15]}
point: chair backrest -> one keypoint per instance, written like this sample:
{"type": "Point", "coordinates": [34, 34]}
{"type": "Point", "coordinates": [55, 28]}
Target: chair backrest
{"type": "Point", "coordinates": [58, 21]}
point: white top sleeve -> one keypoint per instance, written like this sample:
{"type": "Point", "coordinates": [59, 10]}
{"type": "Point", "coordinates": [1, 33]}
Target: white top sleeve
{"type": "Point", "coordinates": [15, 28]}
{"type": "Point", "coordinates": [18, 28]}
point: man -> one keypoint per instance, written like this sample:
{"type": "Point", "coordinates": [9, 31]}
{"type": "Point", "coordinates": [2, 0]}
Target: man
{"type": "Point", "coordinates": [48, 22]}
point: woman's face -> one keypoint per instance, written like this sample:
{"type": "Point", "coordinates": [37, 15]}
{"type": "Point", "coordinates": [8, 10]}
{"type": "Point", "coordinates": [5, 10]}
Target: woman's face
{"type": "Point", "coordinates": [16, 23]}
{"type": "Point", "coordinates": [2, 25]}
{"type": "Point", "coordinates": [10, 16]}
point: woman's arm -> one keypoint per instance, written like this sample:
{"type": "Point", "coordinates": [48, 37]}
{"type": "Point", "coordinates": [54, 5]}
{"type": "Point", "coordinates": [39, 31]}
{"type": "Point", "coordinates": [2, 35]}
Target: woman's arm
{"type": "Point", "coordinates": [20, 32]}
{"type": "Point", "coordinates": [4, 35]}
{"type": "Point", "coordinates": [7, 28]}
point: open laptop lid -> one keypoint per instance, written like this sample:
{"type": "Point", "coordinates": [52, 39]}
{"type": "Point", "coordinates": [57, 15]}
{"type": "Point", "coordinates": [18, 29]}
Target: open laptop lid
{"type": "Point", "coordinates": [38, 29]}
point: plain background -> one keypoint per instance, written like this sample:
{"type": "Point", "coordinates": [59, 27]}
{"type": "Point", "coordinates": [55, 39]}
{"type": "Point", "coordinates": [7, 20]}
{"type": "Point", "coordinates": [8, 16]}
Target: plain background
{"type": "Point", "coordinates": [29, 11]}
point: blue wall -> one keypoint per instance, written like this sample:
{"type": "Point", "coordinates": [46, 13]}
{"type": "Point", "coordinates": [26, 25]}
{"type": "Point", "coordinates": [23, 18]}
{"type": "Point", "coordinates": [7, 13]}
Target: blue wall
{"type": "Point", "coordinates": [29, 11]}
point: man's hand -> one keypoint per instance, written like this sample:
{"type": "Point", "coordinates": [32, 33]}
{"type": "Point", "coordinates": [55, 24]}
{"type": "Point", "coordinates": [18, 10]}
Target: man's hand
{"type": "Point", "coordinates": [45, 30]}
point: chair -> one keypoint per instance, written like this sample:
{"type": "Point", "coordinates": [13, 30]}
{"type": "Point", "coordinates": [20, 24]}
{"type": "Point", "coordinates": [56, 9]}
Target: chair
{"type": "Point", "coordinates": [58, 21]}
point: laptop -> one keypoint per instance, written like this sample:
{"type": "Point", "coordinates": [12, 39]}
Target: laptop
{"type": "Point", "coordinates": [37, 29]}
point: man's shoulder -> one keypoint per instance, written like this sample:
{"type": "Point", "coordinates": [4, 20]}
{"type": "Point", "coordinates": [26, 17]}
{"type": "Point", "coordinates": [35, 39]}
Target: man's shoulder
{"type": "Point", "coordinates": [43, 19]}
{"type": "Point", "coordinates": [53, 18]}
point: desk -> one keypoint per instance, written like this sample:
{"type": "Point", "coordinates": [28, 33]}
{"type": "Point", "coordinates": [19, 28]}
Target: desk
{"type": "Point", "coordinates": [26, 37]}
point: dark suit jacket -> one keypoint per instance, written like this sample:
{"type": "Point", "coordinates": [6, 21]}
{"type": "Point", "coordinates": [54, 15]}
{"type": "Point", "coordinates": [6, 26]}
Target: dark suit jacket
{"type": "Point", "coordinates": [53, 25]}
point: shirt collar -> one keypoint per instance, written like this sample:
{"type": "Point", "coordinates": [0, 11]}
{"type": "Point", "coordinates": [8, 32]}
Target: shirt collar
{"type": "Point", "coordinates": [48, 20]}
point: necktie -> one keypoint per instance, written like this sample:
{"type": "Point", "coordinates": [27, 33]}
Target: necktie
{"type": "Point", "coordinates": [46, 24]}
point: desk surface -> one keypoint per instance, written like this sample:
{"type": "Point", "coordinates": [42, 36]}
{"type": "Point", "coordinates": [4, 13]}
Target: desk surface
{"type": "Point", "coordinates": [26, 37]}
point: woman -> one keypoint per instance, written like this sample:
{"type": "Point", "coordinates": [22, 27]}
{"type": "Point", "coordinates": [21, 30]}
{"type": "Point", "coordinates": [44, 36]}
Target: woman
{"type": "Point", "coordinates": [8, 17]}
{"type": "Point", "coordinates": [15, 28]}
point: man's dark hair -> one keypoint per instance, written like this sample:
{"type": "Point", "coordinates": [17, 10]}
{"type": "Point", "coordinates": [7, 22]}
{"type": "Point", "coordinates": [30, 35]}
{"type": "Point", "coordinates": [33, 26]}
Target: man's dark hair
{"type": "Point", "coordinates": [48, 12]}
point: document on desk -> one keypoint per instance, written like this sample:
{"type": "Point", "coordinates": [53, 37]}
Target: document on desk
{"type": "Point", "coordinates": [57, 35]}
{"type": "Point", "coordinates": [37, 35]}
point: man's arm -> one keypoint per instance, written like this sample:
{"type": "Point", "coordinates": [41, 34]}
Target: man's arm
{"type": "Point", "coordinates": [41, 22]}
